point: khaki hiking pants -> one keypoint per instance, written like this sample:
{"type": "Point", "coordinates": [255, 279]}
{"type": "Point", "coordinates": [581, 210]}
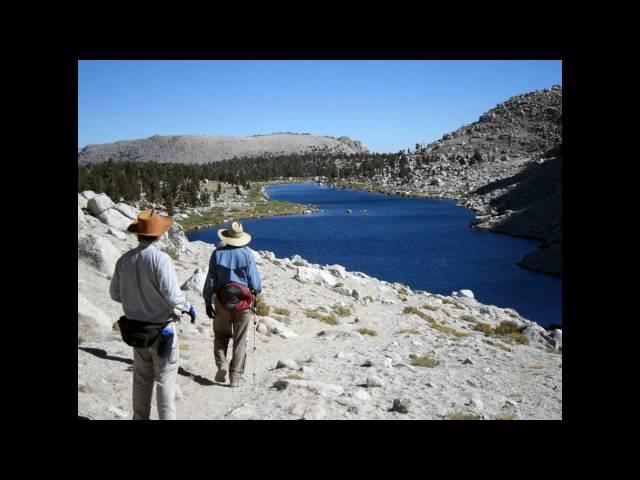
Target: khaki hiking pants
{"type": "Point", "coordinates": [226, 326]}
{"type": "Point", "coordinates": [149, 369]}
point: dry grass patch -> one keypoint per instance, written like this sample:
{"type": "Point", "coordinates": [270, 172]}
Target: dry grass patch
{"type": "Point", "coordinates": [184, 347]}
{"type": "Point", "coordinates": [341, 311]}
{"type": "Point", "coordinates": [515, 338]}
{"type": "Point", "coordinates": [172, 252]}
{"type": "Point", "coordinates": [424, 361]}
{"type": "Point", "coordinates": [484, 328]}
{"type": "Point", "coordinates": [412, 331]}
{"type": "Point", "coordinates": [428, 306]}
{"type": "Point", "coordinates": [367, 331]}
{"type": "Point", "coordinates": [463, 416]}
{"type": "Point", "coordinates": [507, 416]}
{"type": "Point", "coordinates": [330, 318]}
{"type": "Point", "coordinates": [292, 377]}
{"type": "Point", "coordinates": [281, 311]}
{"type": "Point", "coordinates": [261, 306]}
{"type": "Point", "coordinates": [283, 319]}
{"type": "Point", "coordinates": [434, 324]}
{"type": "Point", "coordinates": [449, 330]}
{"type": "Point", "coordinates": [506, 327]}
{"type": "Point", "coordinates": [83, 388]}
{"type": "Point", "coordinates": [498, 345]}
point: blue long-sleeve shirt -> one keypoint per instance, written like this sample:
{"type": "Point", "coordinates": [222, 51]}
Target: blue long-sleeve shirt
{"type": "Point", "coordinates": [231, 264]}
{"type": "Point", "coordinates": [144, 281]}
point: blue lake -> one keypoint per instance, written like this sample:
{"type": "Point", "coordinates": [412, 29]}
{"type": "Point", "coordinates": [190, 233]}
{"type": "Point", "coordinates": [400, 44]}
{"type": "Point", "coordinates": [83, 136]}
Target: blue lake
{"type": "Point", "coordinates": [426, 244]}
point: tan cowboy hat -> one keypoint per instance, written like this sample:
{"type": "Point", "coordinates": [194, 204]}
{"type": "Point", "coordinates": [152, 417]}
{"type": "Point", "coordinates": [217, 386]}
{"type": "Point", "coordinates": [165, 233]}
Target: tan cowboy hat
{"type": "Point", "coordinates": [150, 224]}
{"type": "Point", "coordinates": [234, 236]}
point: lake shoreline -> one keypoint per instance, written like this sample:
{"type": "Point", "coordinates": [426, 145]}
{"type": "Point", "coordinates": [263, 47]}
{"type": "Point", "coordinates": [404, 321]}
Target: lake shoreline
{"type": "Point", "coordinates": [312, 238]}
{"type": "Point", "coordinates": [259, 207]}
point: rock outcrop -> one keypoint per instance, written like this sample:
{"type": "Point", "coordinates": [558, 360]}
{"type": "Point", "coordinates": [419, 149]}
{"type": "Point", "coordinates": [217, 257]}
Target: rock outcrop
{"type": "Point", "coordinates": [98, 252]}
{"type": "Point", "coordinates": [93, 324]}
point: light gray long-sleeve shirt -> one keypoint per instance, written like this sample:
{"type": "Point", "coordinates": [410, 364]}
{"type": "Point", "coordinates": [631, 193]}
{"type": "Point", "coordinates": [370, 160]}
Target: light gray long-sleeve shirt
{"type": "Point", "coordinates": [145, 283]}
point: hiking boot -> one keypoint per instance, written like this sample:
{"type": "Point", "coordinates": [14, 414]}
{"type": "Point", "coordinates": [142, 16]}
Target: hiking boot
{"type": "Point", "coordinates": [221, 376]}
{"type": "Point", "coordinates": [235, 379]}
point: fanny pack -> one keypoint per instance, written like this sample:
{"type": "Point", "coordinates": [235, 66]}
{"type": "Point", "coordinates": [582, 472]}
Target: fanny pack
{"type": "Point", "coordinates": [139, 334]}
{"type": "Point", "coordinates": [235, 297]}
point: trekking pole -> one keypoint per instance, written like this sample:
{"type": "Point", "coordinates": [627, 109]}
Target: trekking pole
{"type": "Point", "coordinates": [253, 366]}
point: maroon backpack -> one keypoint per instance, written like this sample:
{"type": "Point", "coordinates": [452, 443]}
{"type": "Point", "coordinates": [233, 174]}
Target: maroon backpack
{"type": "Point", "coordinates": [235, 297]}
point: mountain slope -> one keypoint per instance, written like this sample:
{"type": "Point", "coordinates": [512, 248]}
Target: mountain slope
{"type": "Point", "coordinates": [519, 128]}
{"type": "Point", "coordinates": [204, 149]}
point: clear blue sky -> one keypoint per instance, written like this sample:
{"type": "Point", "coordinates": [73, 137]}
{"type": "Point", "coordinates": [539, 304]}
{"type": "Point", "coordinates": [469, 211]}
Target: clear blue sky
{"type": "Point", "coordinates": [387, 105]}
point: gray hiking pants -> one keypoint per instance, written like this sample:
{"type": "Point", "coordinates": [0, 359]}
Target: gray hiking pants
{"type": "Point", "coordinates": [150, 368]}
{"type": "Point", "coordinates": [225, 327]}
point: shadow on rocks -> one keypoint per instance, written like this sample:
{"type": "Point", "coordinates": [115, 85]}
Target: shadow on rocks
{"type": "Point", "coordinates": [98, 352]}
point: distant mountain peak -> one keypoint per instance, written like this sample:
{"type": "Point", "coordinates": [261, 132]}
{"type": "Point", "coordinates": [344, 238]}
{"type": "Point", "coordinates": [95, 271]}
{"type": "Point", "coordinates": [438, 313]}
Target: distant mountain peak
{"type": "Point", "coordinates": [204, 149]}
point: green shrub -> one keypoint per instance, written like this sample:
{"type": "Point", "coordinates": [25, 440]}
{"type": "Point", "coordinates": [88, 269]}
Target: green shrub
{"type": "Point", "coordinates": [366, 331]}
{"type": "Point", "coordinates": [338, 285]}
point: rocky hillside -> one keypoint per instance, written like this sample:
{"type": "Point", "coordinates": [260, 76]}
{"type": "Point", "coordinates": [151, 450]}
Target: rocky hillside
{"type": "Point", "coordinates": [204, 149]}
{"type": "Point", "coordinates": [519, 129]}
{"type": "Point", "coordinates": [528, 204]}
{"type": "Point", "coordinates": [506, 164]}
{"type": "Point", "coordinates": [334, 345]}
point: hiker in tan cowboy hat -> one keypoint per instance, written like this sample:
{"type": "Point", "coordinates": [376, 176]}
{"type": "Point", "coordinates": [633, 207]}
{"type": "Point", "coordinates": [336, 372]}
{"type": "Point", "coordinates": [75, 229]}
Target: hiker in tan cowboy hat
{"type": "Point", "coordinates": [231, 284]}
{"type": "Point", "coordinates": [145, 283]}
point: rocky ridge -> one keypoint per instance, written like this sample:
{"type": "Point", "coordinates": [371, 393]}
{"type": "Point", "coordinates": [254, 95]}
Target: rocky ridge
{"type": "Point", "coordinates": [335, 345]}
{"type": "Point", "coordinates": [204, 149]}
{"type": "Point", "coordinates": [506, 166]}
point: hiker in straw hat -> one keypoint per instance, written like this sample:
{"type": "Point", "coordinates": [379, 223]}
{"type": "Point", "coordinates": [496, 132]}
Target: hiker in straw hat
{"type": "Point", "coordinates": [145, 283]}
{"type": "Point", "coordinates": [232, 281]}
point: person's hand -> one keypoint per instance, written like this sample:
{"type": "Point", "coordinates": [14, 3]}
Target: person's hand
{"type": "Point", "coordinates": [192, 314]}
{"type": "Point", "coordinates": [211, 313]}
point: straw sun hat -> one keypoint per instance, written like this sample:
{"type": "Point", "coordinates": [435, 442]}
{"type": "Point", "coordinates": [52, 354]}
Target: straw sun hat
{"type": "Point", "coordinates": [150, 224]}
{"type": "Point", "coordinates": [234, 236]}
